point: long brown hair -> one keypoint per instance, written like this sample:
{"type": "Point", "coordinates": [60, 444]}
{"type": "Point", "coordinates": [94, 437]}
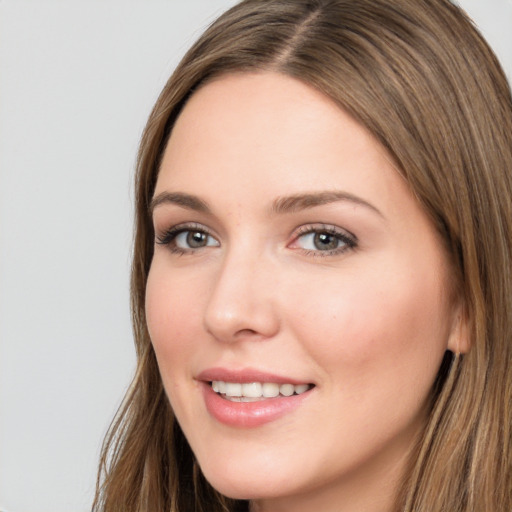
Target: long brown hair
{"type": "Point", "coordinates": [420, 78]}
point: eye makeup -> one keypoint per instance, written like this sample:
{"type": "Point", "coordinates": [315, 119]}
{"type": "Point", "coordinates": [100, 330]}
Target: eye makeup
{"type": "Point", "coordinates": [323, 240]}
{"type": "Point", "coordinates": [187, 238]}
{"type": "Point", "coordinates": [317, 240]}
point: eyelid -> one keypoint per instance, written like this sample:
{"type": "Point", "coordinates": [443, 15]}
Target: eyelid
{"type": "Point", "coordinates": [349, 239]}
{"type": "Point", "coordinates": [167, 236]}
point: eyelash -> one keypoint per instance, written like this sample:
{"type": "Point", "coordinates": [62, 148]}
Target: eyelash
{"type": "Point", "coordinates": [168, 238]}
{"type": "Point", "coordinates": [349, 241]}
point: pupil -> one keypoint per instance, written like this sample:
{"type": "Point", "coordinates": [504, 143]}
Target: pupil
{"type": "Point", "coordinates": [196, 239]}
{"type": "Point", "coordinates": [325, 241]}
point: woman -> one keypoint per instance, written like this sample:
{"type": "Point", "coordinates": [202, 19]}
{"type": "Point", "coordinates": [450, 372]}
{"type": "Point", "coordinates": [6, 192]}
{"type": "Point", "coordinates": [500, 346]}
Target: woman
{"type": "Point", "coordinates": [321, 280]}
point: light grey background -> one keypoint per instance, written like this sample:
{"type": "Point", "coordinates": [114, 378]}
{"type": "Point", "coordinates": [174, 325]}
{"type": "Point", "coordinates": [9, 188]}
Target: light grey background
{"type": "Point", "coordinates": [77, 81]}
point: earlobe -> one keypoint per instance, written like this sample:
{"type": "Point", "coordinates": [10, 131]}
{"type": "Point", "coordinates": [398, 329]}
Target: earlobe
{"type": "Point", "coordinates": [459, 341]}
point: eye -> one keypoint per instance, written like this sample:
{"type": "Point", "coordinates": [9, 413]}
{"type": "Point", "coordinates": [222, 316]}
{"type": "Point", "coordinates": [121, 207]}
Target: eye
{"type": "Point", "coordinates": [319, 241]}
{"type": "Point", "coordinates": [190, 239]}
{"type": "Point", "coordinates": [326, 239]}
{"type": "Point", "coordinates": [184, 239]}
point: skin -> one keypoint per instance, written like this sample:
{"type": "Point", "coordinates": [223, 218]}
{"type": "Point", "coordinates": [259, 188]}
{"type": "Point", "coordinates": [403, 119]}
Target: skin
{"type": "Point", "coordinates": [367, 324]}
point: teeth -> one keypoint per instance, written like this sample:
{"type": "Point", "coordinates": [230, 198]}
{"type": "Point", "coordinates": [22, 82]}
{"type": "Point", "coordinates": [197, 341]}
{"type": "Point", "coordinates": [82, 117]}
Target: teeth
{"type": "Point", "coordinates": [270, 390]}
{"type": "Point", "coordinates": [301, 388]}
{"type": "Point", "coordinates": [255, 390]}
{"type": "Point", "coordinates": [233, 389]}
{"type": "Point", "coordinates": [286, 389]}
{"type": "Point", "coordinates": [252, 390]}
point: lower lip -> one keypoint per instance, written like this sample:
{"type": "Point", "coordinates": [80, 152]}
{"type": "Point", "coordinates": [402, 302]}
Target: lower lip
{"type": "Point", "coordinates": [249, 414]}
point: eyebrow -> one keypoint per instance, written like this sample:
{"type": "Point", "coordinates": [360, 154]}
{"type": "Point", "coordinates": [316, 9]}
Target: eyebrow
{"type": "Point", "coordinates": [297, 202]}
{"type": "Point", "coordinates": [187, 201]}
{"type": "Point", "coordinates": [282, 205]}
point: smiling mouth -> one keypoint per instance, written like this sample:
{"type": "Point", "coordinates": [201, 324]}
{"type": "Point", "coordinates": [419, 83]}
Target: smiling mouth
{"type": "Point", "coordinates": [256, 391]}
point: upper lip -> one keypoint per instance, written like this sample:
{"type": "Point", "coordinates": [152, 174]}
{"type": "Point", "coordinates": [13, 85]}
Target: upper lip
{"type": "Point", "coordinates": [245, 375]}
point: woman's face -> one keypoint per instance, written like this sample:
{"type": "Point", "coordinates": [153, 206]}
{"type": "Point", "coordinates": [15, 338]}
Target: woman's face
{"type": "Point", "coordinates": [291, 258]}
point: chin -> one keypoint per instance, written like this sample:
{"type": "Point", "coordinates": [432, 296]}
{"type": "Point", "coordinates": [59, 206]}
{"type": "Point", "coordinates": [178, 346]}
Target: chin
{"type": "Point", "coordinates": [243, 483]}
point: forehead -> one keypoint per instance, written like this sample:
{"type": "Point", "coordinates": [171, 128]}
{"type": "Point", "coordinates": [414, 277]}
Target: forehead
{"type": "Point", "coordinates": [272, 129]}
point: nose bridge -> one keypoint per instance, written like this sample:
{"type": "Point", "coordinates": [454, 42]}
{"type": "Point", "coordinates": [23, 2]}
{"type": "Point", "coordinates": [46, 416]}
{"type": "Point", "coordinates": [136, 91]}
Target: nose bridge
{"type": "Point", "coordinates": [241, 301]}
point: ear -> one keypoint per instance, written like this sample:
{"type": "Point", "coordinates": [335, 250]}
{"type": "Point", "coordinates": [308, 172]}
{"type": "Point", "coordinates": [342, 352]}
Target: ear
{"type": "Point", "coordinates": [459, 341]}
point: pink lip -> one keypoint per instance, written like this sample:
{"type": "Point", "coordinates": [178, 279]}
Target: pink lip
{"type": "Point", "coordinates": [247, 414]}
{"type": "Point", "coordinates": [245, 375]}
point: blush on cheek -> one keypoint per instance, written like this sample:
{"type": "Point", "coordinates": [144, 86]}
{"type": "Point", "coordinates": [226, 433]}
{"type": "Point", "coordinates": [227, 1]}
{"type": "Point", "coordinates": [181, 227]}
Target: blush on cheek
{"type": "Point", "coordinates": [371, 327]}
{"type": "Point", "coordinates": [160, 303]}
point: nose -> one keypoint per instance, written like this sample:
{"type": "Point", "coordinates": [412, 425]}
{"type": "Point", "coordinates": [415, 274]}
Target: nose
{"type": "Point", "coordinates": [242, 304]}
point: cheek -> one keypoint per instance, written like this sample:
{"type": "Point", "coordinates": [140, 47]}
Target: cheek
{"type": "Point", "coordinates": [374, 325]}
{"type": "Point", "coordinates": [173, 320]}
{"type": "Point", "coordinates": [173, 316]}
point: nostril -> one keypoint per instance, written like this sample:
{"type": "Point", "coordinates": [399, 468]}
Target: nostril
{"type": "Point", "coordinates": [245, 332]}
